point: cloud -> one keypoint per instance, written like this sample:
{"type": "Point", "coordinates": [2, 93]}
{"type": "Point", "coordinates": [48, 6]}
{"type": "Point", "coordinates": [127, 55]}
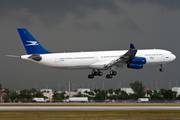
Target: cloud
{"type": "Point", "coordinates": [128, 24]}
{"type": "Point", "coordinates": [94, 25]}
{"type": "Point", "coordinates": [170, 4]}
{"type": "Point", "coordinates": [46, 11]}
{"type": "Point", "coordinates": [87, 25]}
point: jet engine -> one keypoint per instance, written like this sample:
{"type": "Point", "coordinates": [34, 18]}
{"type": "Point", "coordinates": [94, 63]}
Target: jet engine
{"type": "Point", "coordinates": [137, 63]}
{"type": "Point", "coordinates": [135, 66]}
{"type": "Point", "coordinates": [138, 60]}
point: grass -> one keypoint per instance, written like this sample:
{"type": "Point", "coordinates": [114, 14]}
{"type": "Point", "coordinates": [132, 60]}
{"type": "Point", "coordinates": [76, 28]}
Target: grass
{"type": "Point", "coordinates": [90, 115]}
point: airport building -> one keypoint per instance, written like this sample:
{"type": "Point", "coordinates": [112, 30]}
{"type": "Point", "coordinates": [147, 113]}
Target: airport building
{"type": "Point", "coordinates": [67, 93]}
{"type": "Point", "coordinates": [72, 93]}
{"type": "Point", "coordinates": [46, 90]}
{"type": "Point", "coordinates": [177, 89]}
{"type": "Point", "coordinates": [47, 93]}
{"type": "Point", "coordinates": [82, 90]}
{"type": "Point", "coordinates": [128, 90]}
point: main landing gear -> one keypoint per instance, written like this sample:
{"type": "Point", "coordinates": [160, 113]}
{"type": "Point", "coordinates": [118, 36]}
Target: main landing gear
{"type": "Point", "coordinates": [112, 73]}
{"type": "Point", "coordinates": [95, 73]}
{"type": "Point", "coordinates": [161, 68]}
{"type": "Point", "coordinates": [100, 73]}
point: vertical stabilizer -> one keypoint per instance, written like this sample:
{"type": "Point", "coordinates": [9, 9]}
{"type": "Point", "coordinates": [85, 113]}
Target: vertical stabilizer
{"type": "Point", "coordinates": [31, 45]}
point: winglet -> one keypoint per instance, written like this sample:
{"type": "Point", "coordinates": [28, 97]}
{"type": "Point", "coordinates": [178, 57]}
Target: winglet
{"type": "Point", "coordinates": [132, 46]}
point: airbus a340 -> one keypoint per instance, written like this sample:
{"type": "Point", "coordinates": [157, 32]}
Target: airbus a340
{"type": "Point", "coordinates": [97, 61]}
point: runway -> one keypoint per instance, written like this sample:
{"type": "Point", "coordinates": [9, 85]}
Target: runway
{"type": "Point", "coordinates": [85, 108]}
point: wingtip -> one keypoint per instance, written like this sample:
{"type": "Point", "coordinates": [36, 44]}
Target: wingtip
{"type": "Point", "coordinates": [132, 46]}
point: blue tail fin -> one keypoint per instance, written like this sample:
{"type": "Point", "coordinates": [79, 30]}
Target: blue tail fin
{"type": "Point", "coordinates": [31, 45]}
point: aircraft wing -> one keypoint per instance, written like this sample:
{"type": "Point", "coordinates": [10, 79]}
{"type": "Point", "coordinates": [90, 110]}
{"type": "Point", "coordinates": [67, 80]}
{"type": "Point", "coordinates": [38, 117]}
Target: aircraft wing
{"type": "Point", "coordinates": [124, 58]}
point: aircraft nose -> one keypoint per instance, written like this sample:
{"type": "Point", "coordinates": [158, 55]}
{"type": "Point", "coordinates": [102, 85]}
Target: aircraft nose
{"type": "Point", "coordinates": [173, 57]}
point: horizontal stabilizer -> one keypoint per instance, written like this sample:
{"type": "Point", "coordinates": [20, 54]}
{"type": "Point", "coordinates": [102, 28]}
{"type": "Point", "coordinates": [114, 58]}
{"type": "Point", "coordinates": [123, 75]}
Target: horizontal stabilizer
{"type": "Point", "coordinates": [12, 56]}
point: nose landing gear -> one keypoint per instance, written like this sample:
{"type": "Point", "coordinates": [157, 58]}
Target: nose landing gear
{"type": "Point", "coordinates": [161, 68]}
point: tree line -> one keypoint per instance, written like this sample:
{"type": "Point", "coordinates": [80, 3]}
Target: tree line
{"type": "Point", "coordinates": [27, 95]}
{"type": "Point", "coordinates": [139, 92]}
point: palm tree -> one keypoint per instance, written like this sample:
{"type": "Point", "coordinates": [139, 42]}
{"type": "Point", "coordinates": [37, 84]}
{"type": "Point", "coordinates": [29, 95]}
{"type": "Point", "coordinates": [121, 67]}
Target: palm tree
{"type": "Point", "coordinates": [13, 96]}
{"type": "Point", "coordinates": [95, 90]}
{"type": "Point", "coordinates": [6, 97]}
{"type": "Point", "coordinates": [110, 91]}
{"type": "Point", "coordinates": [149, 92]}
{"type": "Point", "coordinates": [33, 91]}
{"type": "Point", "coordinates": [0, 91]}
{"type": "Point", "coordinates": [138, 88]}
{"type": "Point", "coordinates": [91, 93]}
{"type": "Point", "coordinates": [86, 92]}
{"type": "Point", "coordinates": [117, 91]}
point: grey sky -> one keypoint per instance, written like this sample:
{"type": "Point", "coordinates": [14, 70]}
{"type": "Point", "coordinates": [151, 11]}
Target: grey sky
{"type": "Point", "coordinates": [88, 25]}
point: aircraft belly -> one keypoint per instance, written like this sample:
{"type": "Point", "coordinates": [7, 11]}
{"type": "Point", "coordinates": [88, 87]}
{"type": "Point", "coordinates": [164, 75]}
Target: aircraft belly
{"type": "Point", "coordinates": [98, 65]}
{"type": "Point", "coordinates": [75, 64]}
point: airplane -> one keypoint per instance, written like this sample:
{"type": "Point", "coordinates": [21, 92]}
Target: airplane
{"type": "Point", "coordinates": [97, 61]}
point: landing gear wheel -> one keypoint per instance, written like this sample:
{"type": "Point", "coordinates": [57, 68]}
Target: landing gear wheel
{"type": "Point", "coordinates": [108, 76]}
{"type": "Point", "coordinates": [90, 76]}
{"type": "Point", "coordinates": [161, 69]}
{"type": "Point", "coordinates": [94, 73]}
{"type": "Point", "coordinates": [100, 73]}
{"type": "Point", "coordinates": [114, 73]}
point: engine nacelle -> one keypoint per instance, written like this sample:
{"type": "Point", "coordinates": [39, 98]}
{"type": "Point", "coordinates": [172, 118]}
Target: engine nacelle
{"type": "Point", "coordinates": [37, 58]}
{"type": "Point", "coordinates": [138, 60]}
{"type": "Point", "coordinates": [135, 66]}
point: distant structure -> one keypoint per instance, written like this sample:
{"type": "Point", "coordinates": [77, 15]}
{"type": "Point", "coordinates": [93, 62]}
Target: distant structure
{"type": "Point", "coordinates": [67, 93]}
{"type": "Point", "coordinates": [48, 93]}
{"type": "Point", "coordinates": [82, 90]}
{"type": "Point", "coordinates": [73, 93]}
{"type": "Point", "coordinates": [128, 90]}
{"type": "Point", "coordinates": [177, 89]}
{"type": "Point", "coordinates": [2, 95]}
{"type": "Point", "coordinates": [46, 90]}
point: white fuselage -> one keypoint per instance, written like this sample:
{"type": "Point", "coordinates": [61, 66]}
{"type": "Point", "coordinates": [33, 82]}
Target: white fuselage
{"type": "Point", "coordinates": [97, 60]}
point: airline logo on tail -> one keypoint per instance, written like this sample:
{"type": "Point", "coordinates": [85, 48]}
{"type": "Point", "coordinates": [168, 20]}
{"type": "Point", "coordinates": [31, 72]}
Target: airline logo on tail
{"type": "Point", "coordinates": [32, 43]}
